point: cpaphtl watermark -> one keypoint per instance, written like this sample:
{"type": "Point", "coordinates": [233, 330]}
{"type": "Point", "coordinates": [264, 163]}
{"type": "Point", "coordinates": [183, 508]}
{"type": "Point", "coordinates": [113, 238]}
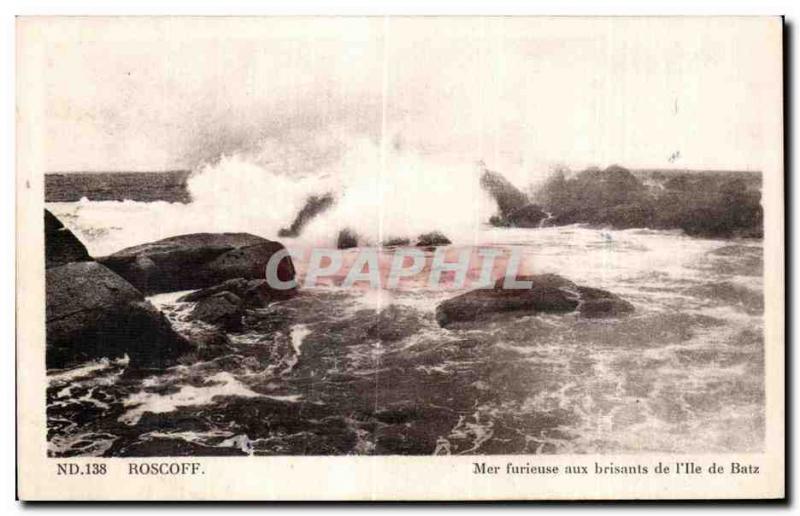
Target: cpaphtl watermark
{"type": "Point", "coordinates": [453, 268]}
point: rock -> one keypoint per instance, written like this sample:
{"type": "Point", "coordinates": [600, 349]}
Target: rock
{"type": "Point", "coordinates": [196, 260]}
{"type": "Point", "coordinates": [507, 196]}
{"type": "Point", "coordinates": [254, 293]}
{"type": "Point", "coordinates": [209, 342]}
{"type": "Point", "coordinates": [432, 239]}
{"type": "Point", "coordinates": [347, 239]}
{"type": "Point", "coordinates": [608, 197]}
{"type": "Point", "coordinates": [314, 206]}
{"type": "Point", "coordinates": [549, 293]}
{"type": "Point", "coordinates": [397, 242]}
{"type": "Point", "coordinates": [527, 216]}
{"type": "Point", "coordinates": [515, 210]}
{"type": "Point", "coordinates": [61, 246]}
{"type": "Point", "coordinates": [223, 309]}
{"type": "Point", "coordinates": [597, 303]}
{"type": "Point", "coordinates": [711, 207]}
{"type": "Point", "coordinates": [626, 216]}
{"type": "Point", "coordinates": [702, 204]}
{"type": "Point", "coordinates": [91, 312]}
{"type": "Point", "coordinates": [394, 323]}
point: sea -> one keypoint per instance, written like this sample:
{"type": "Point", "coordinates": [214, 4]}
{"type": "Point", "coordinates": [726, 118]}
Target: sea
{"type": "Point", "coordinates": [368, 371]}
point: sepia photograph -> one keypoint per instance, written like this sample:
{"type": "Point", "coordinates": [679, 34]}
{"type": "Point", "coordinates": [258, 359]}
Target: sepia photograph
{"type": "Point", "coordinates": [494, 236]}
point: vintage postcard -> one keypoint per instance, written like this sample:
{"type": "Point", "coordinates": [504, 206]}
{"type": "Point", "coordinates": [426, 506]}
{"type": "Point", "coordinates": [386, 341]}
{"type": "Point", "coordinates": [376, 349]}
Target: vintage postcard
{"type": "Point", "coordinates": [400, 258]}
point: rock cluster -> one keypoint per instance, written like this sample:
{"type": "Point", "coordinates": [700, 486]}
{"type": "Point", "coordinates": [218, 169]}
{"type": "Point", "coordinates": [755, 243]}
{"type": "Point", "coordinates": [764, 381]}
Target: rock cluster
{"type": "Point", "coordinates": [97, 308]}
{"type": "Point", "coordinates": [91, 312]}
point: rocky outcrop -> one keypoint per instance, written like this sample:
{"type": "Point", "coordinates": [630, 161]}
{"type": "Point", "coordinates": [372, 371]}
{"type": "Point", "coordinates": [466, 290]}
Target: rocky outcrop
{"type": "Point", "coordinates": [196, 260]}
{"type": "Point", "coordinates": [507, 196]}
{"type": "Point", "coordinates": [710, 206]}
{"type": "Point", "coordinates": [396, 242]}
{"type": "Point", "coordinates": [223, 309]}
{"type": "Point", "coordinates": [704, 204]}
{"type": "Point", "coordinates": [223, 305]}
{"type": "Point", "coordinates": [208, 342]}
{"type": "Point", "coordinates": [91, 312]}
{"type": "Point", "coordinates": [527, 216]}
{"type": "Point", "coordinates": [61, 246]}
{"type": "Point", "coordinates": [347, 239]}
{"type": "Point", "coordinates": [432, 239]}
{"type": "Point", "coordinates": [596, 303]}
{"type": "Point", "coordinates": [253, 293]}
{"type": "Point", "coordinates": [314, 206]}
{"type": "Point", "coordinates": [610, 197]}
{"type": "Point", "coordinates": [514, 208]}
{"type": "Point", "coordinates": [548, 293]}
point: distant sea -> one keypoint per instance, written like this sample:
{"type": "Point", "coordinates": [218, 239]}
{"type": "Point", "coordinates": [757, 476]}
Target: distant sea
{"type": "Point", "coordinates": [167, 186]}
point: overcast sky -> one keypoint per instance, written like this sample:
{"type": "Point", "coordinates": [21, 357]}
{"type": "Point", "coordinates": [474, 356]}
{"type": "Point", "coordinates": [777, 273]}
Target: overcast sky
{"type": "Point", "coordinates": [522, 94]}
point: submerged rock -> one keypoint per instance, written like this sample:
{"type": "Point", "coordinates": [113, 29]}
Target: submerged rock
{"type": "Point", "coordinates": [548, 293]}
{"type": "Point", "coordinates": [91, 312]}
{"type": "Point", "coordinates": [394, 323]}
{"type": "Point", "coordinates": [61, 246]}
{"type": "Point", "coordinates": [223, 309]}
{"type": "Point", "coordinates": [597, 303]}
{"type": "Point", "coordinates": [346, 239]}
{"type": "Point", "coordinates": [209, 342]}
{"type": "Point", "coordinates": [255, 293]}
{"type": "Point", "coordinates": [196, 260]}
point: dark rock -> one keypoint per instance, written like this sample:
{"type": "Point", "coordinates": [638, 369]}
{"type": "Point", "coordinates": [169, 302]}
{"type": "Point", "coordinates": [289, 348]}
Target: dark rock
{"type": "Point", "coordinates": [507, 196]}
{"type": "Point", "coordinates": [196, 260]}
{"type": "Point", "coordinates": [626, 216]}
{"type": "Point", "coordinates": [208, 342]}
{"type": "Point", "coordinates": [527, 216]}
{"type": "Point", "coordinates": [704, 204]}
{"type": "Point", "coordinates": [61, 246]}
{"type": "Point", "coordinates": [394, 323]}
{"type": "Point", "coordinates": [347, 239]}
{"type": "Point", "coordinates": [597, 303]}
{"type": "Point", "coordinates": [499, 222]}
{"type": "Point", "coordinates": [432, 239]}
{"type": "Point", "coordinates": [314, 206]}
{"type": "Point", "coordinates": [612, 197]}
{"type": "Point", "coordinates": [255, 293]}
{"type": "Point", "coordinates": [515, 210]}
{"type": "Point", "coordinates": [548, 293]}
{"type": "Point", "coordinates": [223, 309]}
{"type": "Point", "coordinates": [91, 312]}
{"type": "Point", "coordinates": [708, 206]}
{"type": "Point", "coordinates": [397, 242]}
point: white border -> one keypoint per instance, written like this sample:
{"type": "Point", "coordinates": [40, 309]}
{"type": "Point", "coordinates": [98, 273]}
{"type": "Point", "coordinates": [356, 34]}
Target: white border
{"type": "Point", "coordinates": [790, 8]}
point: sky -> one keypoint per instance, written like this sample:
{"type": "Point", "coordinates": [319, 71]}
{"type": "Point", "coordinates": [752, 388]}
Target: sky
{"type": "Point", "coordinates": [521, 94]}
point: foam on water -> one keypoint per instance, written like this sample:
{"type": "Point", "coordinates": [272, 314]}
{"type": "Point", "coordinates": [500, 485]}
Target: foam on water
{"type": "Point", "coordinates": [219, 385]}
{"type": "Point", "coordinates": [380, 194]}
